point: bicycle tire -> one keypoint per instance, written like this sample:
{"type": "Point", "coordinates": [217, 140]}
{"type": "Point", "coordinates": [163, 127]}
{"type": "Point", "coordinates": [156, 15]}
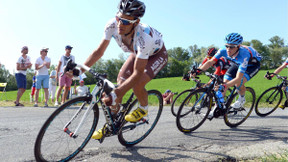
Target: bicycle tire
{"type": "Point", "coordinates": [131, 135]}
{"type": "Point", "coordinates": [190, 116]}
{"type": "Point", "coordinates": [178, 100]}
{"type": "Point", "coordinates": [234, 117]}
{"type": "Point", "coordinates": [264, 105]}
{"type": "Point", "coordinates": [51, 141]}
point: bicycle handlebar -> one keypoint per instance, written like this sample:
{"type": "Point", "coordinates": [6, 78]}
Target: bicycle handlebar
{"type": "Point", "coordinates": [108, 86]}
{"type": "Point", "coordinates": [278, 76]}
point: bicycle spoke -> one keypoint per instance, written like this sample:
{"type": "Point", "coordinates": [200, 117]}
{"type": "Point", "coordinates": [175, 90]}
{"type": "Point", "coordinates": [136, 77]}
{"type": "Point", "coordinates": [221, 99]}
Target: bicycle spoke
{"type": "Point", "coordinates": [193, 111]}
{"type": "Point", "coordinates": [53, 143]}
{"type": "Point", "coordinates": [236, 116]}
{"type": "Point", "coordinates": [268, 101]}
{"type": "Point", "coordinates": [133, 133]}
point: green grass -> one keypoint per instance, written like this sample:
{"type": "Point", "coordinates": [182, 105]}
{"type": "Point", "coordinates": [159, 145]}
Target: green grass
{"type": "Point", "coordinates": [175, 84]}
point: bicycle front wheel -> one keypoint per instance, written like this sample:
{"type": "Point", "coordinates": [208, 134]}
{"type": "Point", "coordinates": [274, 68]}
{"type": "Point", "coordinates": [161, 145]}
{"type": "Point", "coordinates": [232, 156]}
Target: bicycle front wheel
{"type": "Point", "coordinates": [133, 133]}
{"type": "Point", "coordinates": [268, 101]}
{"type": "Point", "coordinates": [56, 141]}
{"type": "Point", "coordinates": [236, 116]}
{"type": "Point", "coordinates": [194, 110]}
{"type": "Point", "coordinates": [178, 101]}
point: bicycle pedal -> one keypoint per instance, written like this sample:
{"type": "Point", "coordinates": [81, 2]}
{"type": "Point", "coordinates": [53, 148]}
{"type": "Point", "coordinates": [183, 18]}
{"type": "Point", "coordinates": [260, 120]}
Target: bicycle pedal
{"type": "Point", "coordinates": [101, 139]}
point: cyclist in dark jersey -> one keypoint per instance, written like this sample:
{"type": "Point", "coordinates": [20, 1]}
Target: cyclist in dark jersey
{"type": "Point", "coordinates": [221, 66]}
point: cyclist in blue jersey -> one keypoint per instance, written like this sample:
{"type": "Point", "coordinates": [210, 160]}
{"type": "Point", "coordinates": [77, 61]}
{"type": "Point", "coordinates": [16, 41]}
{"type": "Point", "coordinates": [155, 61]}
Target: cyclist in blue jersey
{"type": "Point", "coordinates": [245, 63]}
{"type": "Point", "coordinates": [277, 71]}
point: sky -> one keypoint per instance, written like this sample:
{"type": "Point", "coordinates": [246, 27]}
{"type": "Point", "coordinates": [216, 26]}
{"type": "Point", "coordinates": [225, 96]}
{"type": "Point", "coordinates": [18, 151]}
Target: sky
{"type": "Point", "coordinates": [80, 23]}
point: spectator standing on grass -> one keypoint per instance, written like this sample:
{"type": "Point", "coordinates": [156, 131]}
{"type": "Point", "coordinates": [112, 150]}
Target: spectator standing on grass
{"type": "Point", "coordinates": [42, 78]}
{"type": "Point", "coordinates": [66, 79]}
{"type": "Point", "coordinates": [52, 84]}
{"type": "Point", "coordinates": [23, 63]}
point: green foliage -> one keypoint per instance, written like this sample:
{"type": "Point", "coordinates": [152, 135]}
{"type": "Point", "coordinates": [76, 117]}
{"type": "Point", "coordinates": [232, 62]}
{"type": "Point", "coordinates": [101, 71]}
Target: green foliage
{"type": "Point", "coordinates": [180, 61]}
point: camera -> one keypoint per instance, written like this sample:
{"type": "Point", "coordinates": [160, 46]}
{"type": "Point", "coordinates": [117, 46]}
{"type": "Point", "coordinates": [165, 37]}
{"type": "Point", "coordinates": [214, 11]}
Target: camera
{"type": "Point", "coordinates": [175, 93]}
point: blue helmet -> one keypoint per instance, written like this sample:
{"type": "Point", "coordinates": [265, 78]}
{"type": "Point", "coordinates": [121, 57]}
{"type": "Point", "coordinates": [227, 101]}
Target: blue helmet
{"type": "Point", "coordinates": [234, 38]}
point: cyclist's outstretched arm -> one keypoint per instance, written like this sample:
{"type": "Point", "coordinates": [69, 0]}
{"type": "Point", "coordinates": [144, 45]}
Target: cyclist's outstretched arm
{"type": "Point", "coordinates": [98, 53]}
{"type": "Point", "coordinates": [280, 68]}
{"type": "Point", "coordinates": [207, 65]}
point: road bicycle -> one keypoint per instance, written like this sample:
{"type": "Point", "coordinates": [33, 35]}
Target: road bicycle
{"type": "Point", "coordinates": [197, 105]}
{"type": "Point", "coordinates": [181, 96]}
{"type": "Point", "coordinates": [270, 99]}
{"type": "Point", "coordinates": [70, 127]}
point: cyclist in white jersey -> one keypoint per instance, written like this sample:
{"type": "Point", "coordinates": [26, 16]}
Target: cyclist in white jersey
{"type": "Point", "coordinates": [148, 56]}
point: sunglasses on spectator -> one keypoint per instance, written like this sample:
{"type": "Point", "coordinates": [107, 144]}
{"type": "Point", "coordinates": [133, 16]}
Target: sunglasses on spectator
{"type": "Point", "coordinates": [125, 21]}
{"type": "Point", "coordinates": [231, 46]}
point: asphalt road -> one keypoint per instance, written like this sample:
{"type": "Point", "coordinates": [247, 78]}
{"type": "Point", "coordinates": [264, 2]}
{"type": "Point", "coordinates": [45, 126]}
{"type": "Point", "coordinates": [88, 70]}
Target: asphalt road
{"type": "Point", "coordinates": [211, 142]}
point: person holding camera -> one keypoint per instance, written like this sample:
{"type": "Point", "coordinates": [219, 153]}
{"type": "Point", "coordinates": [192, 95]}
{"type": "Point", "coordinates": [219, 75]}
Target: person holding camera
{"type": "Point", "coordinates": [168, 97]}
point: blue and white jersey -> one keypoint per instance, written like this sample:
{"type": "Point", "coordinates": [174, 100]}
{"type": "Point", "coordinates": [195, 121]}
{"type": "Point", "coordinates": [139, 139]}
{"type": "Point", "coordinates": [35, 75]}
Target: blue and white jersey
{"type": "Point", "coordinates": [242, 58]}
{"type": "Point", "coordinates": [147, 40]}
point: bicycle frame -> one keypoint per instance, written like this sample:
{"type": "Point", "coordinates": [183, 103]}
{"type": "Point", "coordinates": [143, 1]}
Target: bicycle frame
{"type": "Point", "coordinates": [102, 85]}
{"type": "Point", "coordinates": [210, 89]}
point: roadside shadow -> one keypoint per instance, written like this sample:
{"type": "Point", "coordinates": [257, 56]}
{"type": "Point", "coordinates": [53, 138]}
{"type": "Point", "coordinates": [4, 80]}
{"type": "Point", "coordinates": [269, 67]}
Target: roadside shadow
{"type": "Point", "coordinates": [244, 134]}
{"type": "Point", "coordinates": [138, 153]}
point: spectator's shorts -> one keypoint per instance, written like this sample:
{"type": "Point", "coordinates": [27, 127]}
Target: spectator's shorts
{"type": "Point", "coordinates": [21, 80]}
{"type": "Point", "coordinates": [42, 80]}
{"type": "Point", "coordinates": [65, 81]}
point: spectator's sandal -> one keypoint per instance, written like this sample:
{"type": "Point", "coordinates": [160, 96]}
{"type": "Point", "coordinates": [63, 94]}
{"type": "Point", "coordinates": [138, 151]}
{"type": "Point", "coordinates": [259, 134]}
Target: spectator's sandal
{"type": "Point", "coordinates": [19, 104]}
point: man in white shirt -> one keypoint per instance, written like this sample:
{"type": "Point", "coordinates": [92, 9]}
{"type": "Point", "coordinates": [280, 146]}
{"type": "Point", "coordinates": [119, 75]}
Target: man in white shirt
{"type": "Point", "coordinates": [42, 78]}
{"type": "Point", "coordinates": [81, 90]}
{"type": "Point", "coordinates": [22, 64]}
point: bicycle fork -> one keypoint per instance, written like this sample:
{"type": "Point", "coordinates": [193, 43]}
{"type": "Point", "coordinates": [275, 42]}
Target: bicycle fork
{"type": "Point", "coordinates": [74, 134]}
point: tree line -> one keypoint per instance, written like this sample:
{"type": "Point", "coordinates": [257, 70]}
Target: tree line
{"type": "Point", "coordinates": [180, 61]}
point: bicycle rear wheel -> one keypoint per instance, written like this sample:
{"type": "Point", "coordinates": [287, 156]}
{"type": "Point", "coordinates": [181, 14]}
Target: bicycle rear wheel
{"type": "Point", "coordinates": [53, 143]}
{"type": "Point", "coordinates": [194, 111]}
{"type": "Point", "coordinates": [133, 133]}
{"type": "Point", "coordinates": [268, 101]}
{"type": "Point", "coordinates": [236, 116]}
{"type": "Point", "coordinates": [178, 101]}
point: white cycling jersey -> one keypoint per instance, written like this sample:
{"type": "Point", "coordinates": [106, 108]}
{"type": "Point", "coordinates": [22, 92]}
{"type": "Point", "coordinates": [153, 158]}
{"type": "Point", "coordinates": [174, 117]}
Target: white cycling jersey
{"type": "Point", "coordinates": [147, 40]}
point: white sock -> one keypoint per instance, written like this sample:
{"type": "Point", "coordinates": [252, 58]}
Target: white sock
{"type": "Point", "coordinates": [241, 97]}
{"type": "Point", "coordinates": [144, 107]}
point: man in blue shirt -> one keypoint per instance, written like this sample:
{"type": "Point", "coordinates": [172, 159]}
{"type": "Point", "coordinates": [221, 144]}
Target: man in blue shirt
{"type": "Point", "coordinates": [245, 63]}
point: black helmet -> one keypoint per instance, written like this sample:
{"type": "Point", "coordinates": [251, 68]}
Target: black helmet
{"type": "Point", "coordinates": [211, 51]}
{"type": "Point", "coordinates": [133, 8]}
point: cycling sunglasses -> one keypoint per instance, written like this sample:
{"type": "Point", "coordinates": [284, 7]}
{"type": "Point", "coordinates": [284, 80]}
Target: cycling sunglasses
{"type": "Point", "coordinates": [231, 46]}
{"type": "Point", "coordinates": [125, 21]}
